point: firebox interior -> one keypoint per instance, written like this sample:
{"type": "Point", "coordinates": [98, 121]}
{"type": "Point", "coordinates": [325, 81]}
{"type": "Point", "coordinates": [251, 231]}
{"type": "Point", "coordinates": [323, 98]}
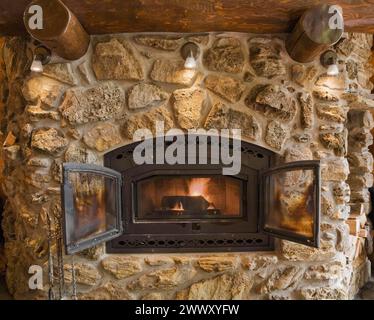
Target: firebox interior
{"type": "Point", "coordinates": [189, 197]}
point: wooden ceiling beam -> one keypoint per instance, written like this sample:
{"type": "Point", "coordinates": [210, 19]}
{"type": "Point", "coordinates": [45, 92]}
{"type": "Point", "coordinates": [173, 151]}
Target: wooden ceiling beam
{"type": "Point", "coordinates": [256, 16]}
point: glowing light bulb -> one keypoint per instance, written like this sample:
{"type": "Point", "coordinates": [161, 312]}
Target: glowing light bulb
{"type": "Point", "coordinates": [190, 62]}
{"type": "Point", "coordinates": [332, 70]}
{"type": "Point", "coordinates": [36, 66]}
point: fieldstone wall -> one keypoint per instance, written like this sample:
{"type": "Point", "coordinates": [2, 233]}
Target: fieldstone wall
{"type": "Point", "coordinates": [80, 110]}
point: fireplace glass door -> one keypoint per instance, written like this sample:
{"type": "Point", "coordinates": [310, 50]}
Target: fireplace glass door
{"type": "Point", "coordinates": [166, 198]}
{"type": "Point", "coordinates": [291, 202]}
{"type": "Point", "coordinates": [91, 204]}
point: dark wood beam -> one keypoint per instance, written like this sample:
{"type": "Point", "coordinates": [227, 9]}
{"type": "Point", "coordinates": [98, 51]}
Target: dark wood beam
{"type": "Point", "coordinates": [257, 16]}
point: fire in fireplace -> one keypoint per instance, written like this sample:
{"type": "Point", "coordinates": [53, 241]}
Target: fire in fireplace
{"type": "Point", "coordinates": [166, 208]}
{"type": "Point", "coordinates": [188, 197]}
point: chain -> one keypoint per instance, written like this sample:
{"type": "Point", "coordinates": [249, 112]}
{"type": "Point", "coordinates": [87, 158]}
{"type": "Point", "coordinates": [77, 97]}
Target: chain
{"type": "Point", "coordinates": [74, 281]}
{"type": "Point", "coordinates": [60, 260]}
{"type": "Point", "coordinates": [51, 295]}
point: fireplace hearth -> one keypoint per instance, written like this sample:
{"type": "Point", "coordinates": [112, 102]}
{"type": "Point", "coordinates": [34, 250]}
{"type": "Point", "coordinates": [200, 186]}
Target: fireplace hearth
{"type": "Point", "coordinates": [190, 208]}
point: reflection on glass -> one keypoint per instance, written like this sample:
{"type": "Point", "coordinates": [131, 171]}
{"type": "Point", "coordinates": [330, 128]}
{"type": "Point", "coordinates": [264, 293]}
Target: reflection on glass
{"type": "Point", "coordinates": [165, 197]}
{"type": "Point", "coordinates": [291, 203]}
{"type": "Point", "coordinates": [94, 205]}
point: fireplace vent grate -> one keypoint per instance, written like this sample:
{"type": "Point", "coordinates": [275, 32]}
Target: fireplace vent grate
{"type": "Point", "coordinates": [188, 244]}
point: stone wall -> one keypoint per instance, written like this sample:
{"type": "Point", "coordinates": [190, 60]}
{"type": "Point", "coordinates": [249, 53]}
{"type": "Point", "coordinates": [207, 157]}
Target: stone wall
{"type": "Point", "coordinates": [80, 110]}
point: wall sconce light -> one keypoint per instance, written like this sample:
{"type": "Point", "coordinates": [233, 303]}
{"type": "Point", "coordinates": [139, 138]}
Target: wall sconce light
{"type": "Point", "coordinates": [190, 52]}
{"type": "Point", "coordinates": [328, 60]}
{"type": "Point", "coordinates": [42, 55]}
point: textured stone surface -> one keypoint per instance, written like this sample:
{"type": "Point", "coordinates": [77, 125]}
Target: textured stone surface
{"type": "Point", "coordinates": [357, 101]}
{"type": "Point", "coordinates": [84, 274]}
{"type": "Point", "coordinates": [93, 253]}
{"type": "Point", "coordinates": [216, 264]}
{"type": "Point", "coordinates": [273, 102]}
{"type": "Point", "coordinates": [74, 133]}
{"type": "Point", "coordinates": [152, 296]}
{"type": "Point", "coordinates": [225, 55]}
{"type": "Point", "coordinates": [49, 140]}
{"type": "Point", "coordinates": [275, 135]}
{"type": "Point", "coordinates": [331, 82]}
{"type": "Point", "coordinates": [159, 42]}
{"type": "Point", "coordinates": [157, 261]}
{"type": "Point", "coordinates": [102, 137]}
{"type": "Point", "coordinates": [146, 120]}
{"type": "Point", "coordinates": [282, 278]}
{"type": "Point", "coordinates": [324, 94]}
{"type": "Point", "coordinates": [172, 72]}
{"type": "Point", "coordinates": [361, 181]}
{"type": "Point", "coordinates": [77, 153]}
{"type": "Point", "coordinates": [121, 267]}
{"type": "Point", "coordinates": [84, 73]}
{"type": "Point", "coordinates": [109, 291]}
{"type": "Point", "coordinates": [331, 113]}
{"type": "Point", "coordinates": [359, 139]}
{"type": "Point", "coordinates": [335, 141]}
{"type": "Point", "coordinates": [302, 137]}
{"type": "Point", "coordinates": [199, 38]}
{"type": "Point", "coordinates": [335, 170]}
{"type": "Point", "coordinates": [360, 118]}
{"type": "Point", "coordinates": [224, 287]}
{"type": "Point", "coordinates": [38, 162]}
{"type": "Point", "coordinates": [60, 72]}
{"type": "Point", "coordinates": [162, 279]}
{"type": "Point", "coordinates": [306, 112]}
{"type": "Point", "coordinates": [37, 113]}
{"type": "Point", "coordinates": [259, 262]}
{"type": "Point", "coordinates": [42, 89]}
{"type": "Point", "coordinates": [341, 192]}
{"type": "Point", "coordinates": [115, 60]}
{"type": "Point", "coordinates": [103, 102]}
{"type": "Point", "coordinates": [265, 60]}
{"type": "Point", "coordinates": [145, 95]}
{"type": "Point", "coordinates": [361, 161]}
{"type": "Point", "coordinates": [324, 294]}
{"type": "Point", "coordinates": [302, 75]}
{"type": "Point", "coordinates": [224, 117]}
{"type": "Point", "coordinates": [297, 153]}
{"type": "Point", "coordinates": [188, 104]}
{"type": "Point", "coordinates": [327, 271]}
{"type": "Point", "coordinates": [228, 88]}
{"type": "Point", "coordinates": [298, 252]}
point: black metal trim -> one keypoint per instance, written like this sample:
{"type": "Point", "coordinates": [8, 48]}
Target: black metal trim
{"type": "Point", "coordinates": [68, 209]}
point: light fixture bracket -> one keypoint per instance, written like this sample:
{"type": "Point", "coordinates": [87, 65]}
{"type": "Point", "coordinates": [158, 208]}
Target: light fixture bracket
{"type": "Point", "coordinates": [188, 49]}
{"type": "Point", "coordinates": [43, 54]}
{"type": "Point", "coordinates": [328, 58]}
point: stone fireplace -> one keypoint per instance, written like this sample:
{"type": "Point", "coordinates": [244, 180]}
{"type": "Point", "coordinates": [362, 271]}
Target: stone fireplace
{"type": "Point", "coordinates": [83, 113]}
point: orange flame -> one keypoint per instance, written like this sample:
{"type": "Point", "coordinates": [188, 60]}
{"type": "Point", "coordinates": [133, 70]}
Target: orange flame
{"type": "Point", "coordinates": [178, 207]}
{"type": "Point", "coordinates": [198, 186]}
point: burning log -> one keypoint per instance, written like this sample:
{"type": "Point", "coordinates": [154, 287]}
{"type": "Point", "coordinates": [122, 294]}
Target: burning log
{"type": "Point", "coordinates": [189, 203]}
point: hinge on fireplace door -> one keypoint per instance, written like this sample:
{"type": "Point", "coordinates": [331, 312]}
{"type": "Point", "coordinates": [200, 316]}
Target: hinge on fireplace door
{"type": "Point", "coordinates": [290, 202]}
{"type": "Point", "coordinates": [91, 203]}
